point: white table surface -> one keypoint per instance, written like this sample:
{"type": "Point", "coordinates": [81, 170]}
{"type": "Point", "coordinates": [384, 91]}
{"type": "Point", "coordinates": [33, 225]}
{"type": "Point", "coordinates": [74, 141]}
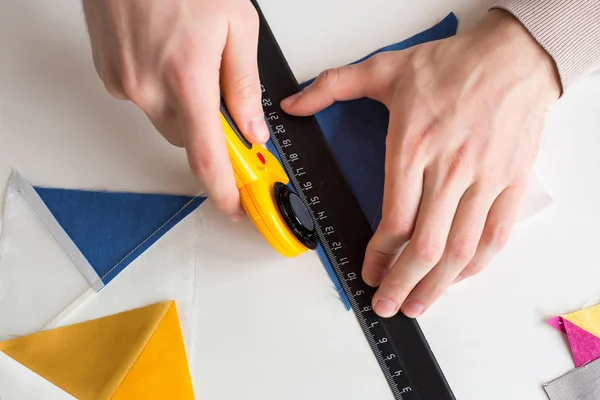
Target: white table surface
{"type": "Point", "coordinates": [59, 128]}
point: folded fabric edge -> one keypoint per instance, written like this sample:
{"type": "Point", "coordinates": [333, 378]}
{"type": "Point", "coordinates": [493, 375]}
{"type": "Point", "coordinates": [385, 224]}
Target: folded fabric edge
{"type": "Point", "coordinates": [147, 336]}
{"type": "Point", "coordinates": [37, 204]}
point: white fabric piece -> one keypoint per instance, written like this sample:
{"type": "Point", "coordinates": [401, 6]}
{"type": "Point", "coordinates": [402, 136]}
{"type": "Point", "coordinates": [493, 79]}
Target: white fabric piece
{"type": "Point", "coordinates": [20, 383]}
{"type": "Point", "coordinates": [277, 321]}
{"type": "Point", "coordinates": [535, 200]}
{"type": "Point", "coordinates": [37, 278]}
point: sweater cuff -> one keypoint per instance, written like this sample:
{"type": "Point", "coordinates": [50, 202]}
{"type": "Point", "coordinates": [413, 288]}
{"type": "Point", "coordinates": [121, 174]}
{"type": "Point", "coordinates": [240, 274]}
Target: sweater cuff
{"type": "Point", "coordinates": [569, 30]}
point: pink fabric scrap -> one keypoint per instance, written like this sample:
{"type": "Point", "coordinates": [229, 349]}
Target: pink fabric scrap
{"type": "Point", "coordinates": [585, 347]}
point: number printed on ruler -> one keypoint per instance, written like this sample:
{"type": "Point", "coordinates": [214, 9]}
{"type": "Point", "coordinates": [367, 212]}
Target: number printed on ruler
{"type": "Point", "coordinates": [334, 247]}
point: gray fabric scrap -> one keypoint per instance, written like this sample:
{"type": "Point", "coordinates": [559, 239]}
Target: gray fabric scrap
{"type": "Point", "coordinates": [579, 384]}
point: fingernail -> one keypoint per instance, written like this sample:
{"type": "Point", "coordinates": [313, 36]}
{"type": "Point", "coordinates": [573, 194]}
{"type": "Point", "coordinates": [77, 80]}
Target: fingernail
{"type": "Point", "coordinates": [413, 309]}
{"type": "Point", "coordinates": [258, 128]}
{"type": "Point", "coordinates": [237, 217]}
{"type": "Point", "coordinates": [291, 100]}
{"type": "Point", "coordinates": [458, 279]}
{"type": "Point", "coordinates": [374, 276]}
{"type": "Point", "coordinates": [386, 308]}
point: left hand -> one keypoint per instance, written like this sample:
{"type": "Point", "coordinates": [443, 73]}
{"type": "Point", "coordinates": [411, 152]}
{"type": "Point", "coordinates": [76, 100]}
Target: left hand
{"type": "Point", "coordinates": [466, 116]}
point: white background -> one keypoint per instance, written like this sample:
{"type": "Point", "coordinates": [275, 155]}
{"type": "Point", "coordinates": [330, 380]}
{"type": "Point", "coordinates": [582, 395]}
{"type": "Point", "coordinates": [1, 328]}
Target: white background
{"type": "Point", "coordinates": [265, 315]}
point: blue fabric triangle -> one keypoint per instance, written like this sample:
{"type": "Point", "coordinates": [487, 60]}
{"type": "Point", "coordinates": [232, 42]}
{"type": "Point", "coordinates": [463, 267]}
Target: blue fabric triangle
{"type": "Point", "coordinates": [356, 130]}
{"type": "Point", "coordinates": [113, 229]}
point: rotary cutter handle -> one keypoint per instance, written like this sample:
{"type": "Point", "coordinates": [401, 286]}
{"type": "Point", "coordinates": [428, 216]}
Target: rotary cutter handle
{"type": "Point", "coordinates": [278, 213]}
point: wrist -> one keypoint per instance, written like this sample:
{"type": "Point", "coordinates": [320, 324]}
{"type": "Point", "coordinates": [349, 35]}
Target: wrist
{"type": "Point", "coordinates": [502, 39]}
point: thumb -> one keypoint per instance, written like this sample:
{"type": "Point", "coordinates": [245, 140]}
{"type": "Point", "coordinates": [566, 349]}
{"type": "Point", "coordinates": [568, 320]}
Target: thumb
{"type": "Point", "coordinates": [337, 84]}
{"type": "Point", "coordinates": [241, 84]}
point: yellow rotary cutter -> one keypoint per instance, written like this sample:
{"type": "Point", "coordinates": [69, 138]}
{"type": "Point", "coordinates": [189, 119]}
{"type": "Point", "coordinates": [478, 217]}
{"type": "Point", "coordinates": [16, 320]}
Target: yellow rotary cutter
{"type": "Point", "coordinates": [278, 213]}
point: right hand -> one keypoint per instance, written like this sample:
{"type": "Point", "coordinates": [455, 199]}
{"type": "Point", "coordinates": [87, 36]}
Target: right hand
{"type": "Point", "coordinates": [171, 58]}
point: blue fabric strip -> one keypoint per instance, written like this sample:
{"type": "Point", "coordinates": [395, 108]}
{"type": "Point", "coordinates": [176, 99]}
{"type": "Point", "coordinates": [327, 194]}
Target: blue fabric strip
{"type": "Point", "coordinates": [356, 130]}
{"type": "Point", "coordinates": [113, 229]}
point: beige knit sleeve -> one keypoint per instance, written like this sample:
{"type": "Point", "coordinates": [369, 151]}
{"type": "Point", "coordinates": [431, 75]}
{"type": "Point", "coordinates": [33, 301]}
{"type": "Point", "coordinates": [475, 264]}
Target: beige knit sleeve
{"type": "Point", "coordinates": [569, 30]}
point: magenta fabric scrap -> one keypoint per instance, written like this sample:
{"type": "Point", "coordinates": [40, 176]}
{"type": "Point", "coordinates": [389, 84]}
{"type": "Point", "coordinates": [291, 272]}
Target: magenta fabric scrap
{"type": "Point", "coordinates": [585, 347]}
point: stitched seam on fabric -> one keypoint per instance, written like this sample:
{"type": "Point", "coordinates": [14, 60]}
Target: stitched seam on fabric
{"type": "Point", "coordinates": [46, 223]}
{"type": "Point", "coordinates": [143, 348]}
{"type": "Point", "coordinates": [66, 307]}
{"type": "Point", "coordinates": [148, 238]}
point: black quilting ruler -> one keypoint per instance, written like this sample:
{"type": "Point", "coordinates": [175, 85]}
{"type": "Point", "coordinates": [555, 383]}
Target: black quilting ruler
{"type": "Point", "coordinates": [398, 343]}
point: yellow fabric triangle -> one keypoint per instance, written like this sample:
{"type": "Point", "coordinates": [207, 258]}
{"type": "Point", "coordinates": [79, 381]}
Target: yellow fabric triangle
{"type": "Point", "coordinates": [161, 371]}
{"type": "Point", "coordinates": [90, 360]}
{"type": "Point", "coordinates": [588, 319]}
